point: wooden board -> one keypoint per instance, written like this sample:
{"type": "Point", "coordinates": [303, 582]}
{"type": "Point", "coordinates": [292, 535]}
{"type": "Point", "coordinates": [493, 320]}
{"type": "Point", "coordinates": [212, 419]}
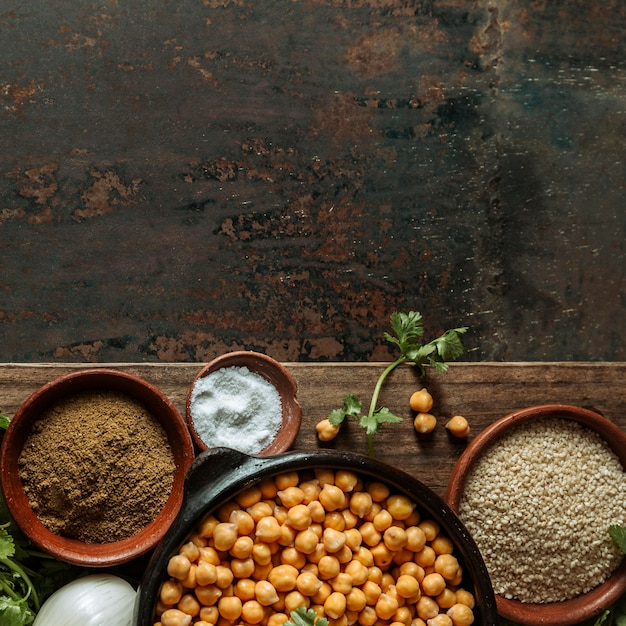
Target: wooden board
{"type": "Point", "coordinates": [481, 392]}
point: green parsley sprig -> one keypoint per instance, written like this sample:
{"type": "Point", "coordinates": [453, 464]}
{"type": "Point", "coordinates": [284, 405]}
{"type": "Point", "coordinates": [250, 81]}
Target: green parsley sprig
{"type": "Point", "coordinates": [409, 329]}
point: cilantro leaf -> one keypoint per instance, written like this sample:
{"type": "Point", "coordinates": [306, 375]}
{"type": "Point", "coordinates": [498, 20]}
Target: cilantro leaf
{"type": "Point", "coordinates": [351, 407]}
{"type": "Point", "coordinates": [618, 533]}
{"type": "Point", "coordinates": [305, 617]}
{"type": "Point", "coordinates": [372, 423]}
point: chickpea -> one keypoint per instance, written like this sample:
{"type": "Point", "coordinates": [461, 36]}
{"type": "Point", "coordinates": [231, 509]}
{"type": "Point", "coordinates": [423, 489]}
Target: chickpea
{"type": "Point", "coordinates": [242, 548]}
{"type": "Point", "coordinates": [295, 599]}
{"type": "Point", "coordinates": [268, 529]}
{"type": "Point", "coordinates": [382, 520]}
{"type": "Point", "coordinates": [290, 496]}
{"type": "Point", "coordinates": [446, 598]}
{"type": "Point", "coordinates": [224, 536]}
{"type": "Point", "coordinates": [395, 538]}
{"type": "Point", "coordinates": [323, 592]}
{"type": "Point", "coordinates": [230, 607]}
{"type": "Point", "coordinates": [421, 401]}
{"type": "Point", "coordinates": [400, 506]}
{"type": "Point", "coordinates": [357, 572]}
{"type": "Point", "coordinates": [447, 565]}
{"type": "Point", "coordinates": [372, 591]}
{"type": "Point", "coordinates": [283, 577]}
{"type": "Point", "coordinates": [461, 615]}
{"type": "Point", "coordinates": [440, 620]}
{"type": "Point", "coordinates": [346, 480]}
{"type": "Point", "coordinates": [433, 584]}
{"type": "Point", "coordinates": [174, 617]}
{"type": "Point", "coordinates": [335, 605]}
{"type": "Point", "coordinates": [407, 586]}
{"type": "Point", "coordinates": [317, 511]}
{"type": "Point", "coordinates": [308, 584]}
{"type": "Point", "coordinates": [361, 503]}
{"type": "Point", "coordinates": [328, 567]}
{"type": "Point", "coordinates": [299, 516]}
{"type": "Point", "coordinates": [371, 537]}
{"type": "Point", "coordinates": [442, 544]}
{"type": "Point", "coordinates": [334, 519]}
{"type": "Point", "coordinates": [416, 538]}
{"type": "Point", "coordinates": [379, 491]}
{"type": "Point", "coordinates": [224, 576]}
{"type": "Point", "coordinates": [249, 497]}
{"type": "Point", "coordinates": [333, 540]}
{"type": "Point", "coordinates": [458, 426]}
{"type": "Point", "coordinates": [332, 497]}
{"type": "Point", "coordinates": [243, 520]}
{"type": "Point", "coordinates": [386, 606]}
{"type": "Point", "coordinates": [242, 568]}
{"type": "Point", "coordinates": [382, 555]}
{"type": "Point", "coordinates": [208, 595]}
{"type": "Point", "coordinates": [206, 573]}
{"type": "Point", "coordinates": [353, 539]}
{"type": "Point", "coordinates": [171, 592]}
{"type": "Point", "coordinates": [424, 423]}
{"type": "Point", "coordinates": [427, 608]}
{"type": "Point", "coordinates": [252, 612]}
{"type": "Point", "coordinates": [178, 567]}
{"type": "Point", "coordinates": [277, 619]}
{"type": "Point", "coordinates": [368, 617]}
{"type": "Point", "coordinates": [341, 583]}
{"type": "Point", "coordinates": [465, 597]}
{"type": "Point", "coordinates": [356, 600]}
{"type": "Point", "coordinates": [364, 555]}
{"type": "Point", "coordinates": [209, 614]}
{"type": "Point", "coordinates": [261, 553]}
{"type": "Point", "coordinates": [327, 431]}
{"type": "Point", "coordinates": [260, 510]}
{"type": "Point", "coordinates": [292, 556]}
{"type": "Point", "coordinates": [245, 589]}
{"type": "Point", "coordinates": [306, 541]}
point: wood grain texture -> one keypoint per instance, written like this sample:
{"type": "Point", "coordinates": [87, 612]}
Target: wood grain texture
{"type": "Point", "coordinates": [481, 392]}
{"type": "Point", "coordinates": [182, 179]}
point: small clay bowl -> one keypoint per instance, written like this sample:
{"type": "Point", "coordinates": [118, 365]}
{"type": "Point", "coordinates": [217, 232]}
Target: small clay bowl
{"type": "Point", "coordinates": [274, 373]}
{"type": "Point", "coordinates": [583, 607]}
{"type": "Point", "coordinates": [72, 550]}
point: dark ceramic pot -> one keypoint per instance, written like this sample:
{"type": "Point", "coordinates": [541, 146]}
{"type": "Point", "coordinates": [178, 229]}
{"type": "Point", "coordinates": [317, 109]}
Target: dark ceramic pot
{"type": "Point", "coordinates": [218, 475]}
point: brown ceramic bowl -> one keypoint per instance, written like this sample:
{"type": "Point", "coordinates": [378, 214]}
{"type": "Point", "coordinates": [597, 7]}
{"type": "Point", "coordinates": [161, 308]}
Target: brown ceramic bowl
{"type": "Point", "coordinates": [72, 550]}
{"type": "Point", "coordinates": [275, 374]}
{"type": "Point", "coordinates": [585, 606]}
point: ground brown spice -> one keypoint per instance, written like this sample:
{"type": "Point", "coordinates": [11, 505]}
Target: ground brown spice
{"type": "Point", "coordinates": [97, 467]}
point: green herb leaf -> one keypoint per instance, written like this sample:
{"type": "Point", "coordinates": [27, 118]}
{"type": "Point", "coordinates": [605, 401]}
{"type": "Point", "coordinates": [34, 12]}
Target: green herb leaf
{"type": "Point", "coordinates": [372, 423]}
{"type": "Point", "coordinates": [351, 407]}
{"type": "Point", "coordinates": [15, 613]}
{"type": "Point", "coordinates": [618, 533]}
{"type": "Point", "coordinates": [305, 617]}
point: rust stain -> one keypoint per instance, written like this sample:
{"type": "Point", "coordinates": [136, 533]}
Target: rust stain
{"type": "Point", "coordinates": [17, 95]}
{"type": "Point", "coordinates": [106, 192]}
{"type": "Point", "coordinates": [39, 184]}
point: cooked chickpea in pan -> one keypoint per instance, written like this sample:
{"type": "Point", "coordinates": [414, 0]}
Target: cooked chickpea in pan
{"type": "Point", "coordinates": [345, 547]}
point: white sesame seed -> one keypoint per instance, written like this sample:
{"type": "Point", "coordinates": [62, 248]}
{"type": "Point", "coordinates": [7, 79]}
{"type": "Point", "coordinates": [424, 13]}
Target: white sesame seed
{"type": "Point", "coordinates": [539, 505]}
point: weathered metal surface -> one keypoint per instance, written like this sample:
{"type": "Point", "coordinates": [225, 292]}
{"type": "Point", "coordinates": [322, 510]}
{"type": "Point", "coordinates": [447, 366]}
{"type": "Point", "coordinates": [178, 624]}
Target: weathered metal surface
{"type": "Point", "coordinates": [182, 179]}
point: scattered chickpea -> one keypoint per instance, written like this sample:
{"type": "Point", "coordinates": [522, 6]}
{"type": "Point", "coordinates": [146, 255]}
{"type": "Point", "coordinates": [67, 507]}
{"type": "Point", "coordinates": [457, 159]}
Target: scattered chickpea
{"type": "Point", "coordinates": [458, 426]}
{"type": "Point", "coordinates": [424, 423]}
{"type": "Point", "coordinates": [326, 431]}
{"type": "Point", "coordinates": [421, 401]}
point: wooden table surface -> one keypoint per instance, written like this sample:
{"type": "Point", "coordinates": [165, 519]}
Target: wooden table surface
{"type": "Point", "coordinates": [481, 392]}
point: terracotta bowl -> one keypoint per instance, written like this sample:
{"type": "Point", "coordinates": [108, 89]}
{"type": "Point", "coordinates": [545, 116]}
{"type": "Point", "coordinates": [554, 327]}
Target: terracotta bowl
{"type": "Point", "coordinates": [274, 373]}
{"type": "Point", "coordinates": [218, 475]}
{"type": "Point", "coordinates": [72, 550]}
{"type": "Point", "coordinates": [585, 606]}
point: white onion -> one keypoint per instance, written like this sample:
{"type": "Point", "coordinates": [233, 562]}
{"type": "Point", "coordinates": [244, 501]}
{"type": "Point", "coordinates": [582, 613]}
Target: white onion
{"type": "Point", "coordinates": [93, 600]}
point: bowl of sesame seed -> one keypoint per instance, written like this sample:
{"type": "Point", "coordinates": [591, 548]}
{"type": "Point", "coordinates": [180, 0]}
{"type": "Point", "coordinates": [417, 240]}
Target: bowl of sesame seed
{"type": "Point", "coordinates": [538, 491]}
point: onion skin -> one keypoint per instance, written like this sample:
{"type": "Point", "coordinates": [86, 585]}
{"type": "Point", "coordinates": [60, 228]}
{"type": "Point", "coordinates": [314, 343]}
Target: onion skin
{"type": "Point", "coordinates": [93, 600]}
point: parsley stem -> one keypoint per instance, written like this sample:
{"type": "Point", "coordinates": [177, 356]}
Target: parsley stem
{"type": "Point", "coordinates": [379, 385]}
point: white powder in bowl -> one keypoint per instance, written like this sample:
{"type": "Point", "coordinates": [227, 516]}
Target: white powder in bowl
{"type": "Point", "coordinates": [236, 408]}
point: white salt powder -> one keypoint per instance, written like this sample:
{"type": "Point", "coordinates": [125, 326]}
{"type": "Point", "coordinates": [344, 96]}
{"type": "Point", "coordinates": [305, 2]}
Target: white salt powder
{"type": "Point", "coordinates": [236, 408]}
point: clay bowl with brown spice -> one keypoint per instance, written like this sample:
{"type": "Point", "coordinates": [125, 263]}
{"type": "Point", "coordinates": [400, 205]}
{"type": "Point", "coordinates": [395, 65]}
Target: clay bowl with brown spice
{"type": "Point", "coordinates": [582, 607]}
{"type": "Point", "coordinates": [222, 480]}
{"type": "Point", "coordinates": [244, 400]}
{"type": "Point", "coordinates": [135, 441]}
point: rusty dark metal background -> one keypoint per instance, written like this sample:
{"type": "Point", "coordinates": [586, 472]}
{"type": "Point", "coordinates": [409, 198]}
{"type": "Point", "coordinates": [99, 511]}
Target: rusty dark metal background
{"type": "Point", "coordinates": [181, 179]}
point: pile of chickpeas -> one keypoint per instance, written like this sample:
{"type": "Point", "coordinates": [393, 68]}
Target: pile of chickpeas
{"type": "Point", "coordinates": [328, 540]}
